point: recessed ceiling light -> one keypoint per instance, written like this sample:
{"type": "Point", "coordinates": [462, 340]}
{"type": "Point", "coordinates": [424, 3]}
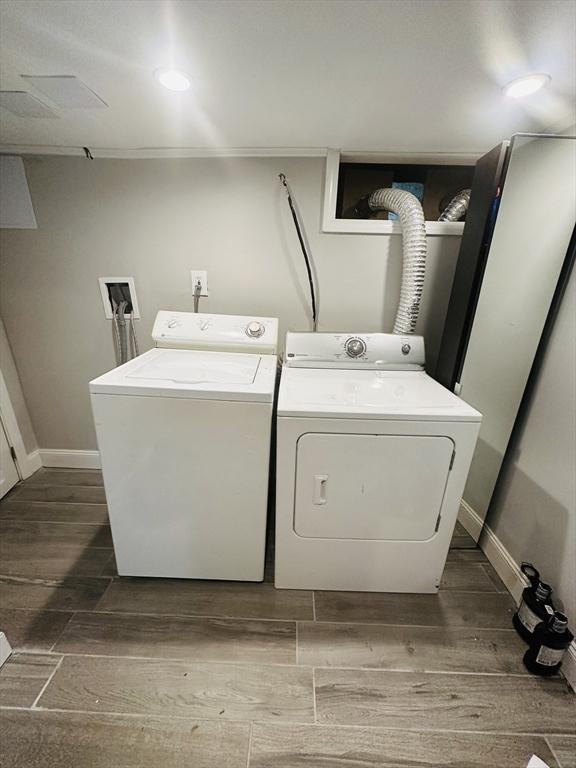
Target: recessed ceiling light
{"type": "Point", "coordinates": [527, 85]}
{"type": "Point", "coordinates": [173, 79]}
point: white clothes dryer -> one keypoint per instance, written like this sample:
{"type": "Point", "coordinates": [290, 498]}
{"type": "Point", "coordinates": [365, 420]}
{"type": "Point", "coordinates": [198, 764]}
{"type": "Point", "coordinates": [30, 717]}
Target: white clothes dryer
{"type": "Point", "coordinates": [372, 458]}
{"type": "Point", "coordinates": [184, 438]}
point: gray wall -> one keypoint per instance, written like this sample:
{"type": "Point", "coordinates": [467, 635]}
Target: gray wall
{"type": "Point", "coordinates": [157, 219]}
{"type": "Point", "coordinates": [534, 514]}
{"type": "Point", "coordinates": [15, 393]}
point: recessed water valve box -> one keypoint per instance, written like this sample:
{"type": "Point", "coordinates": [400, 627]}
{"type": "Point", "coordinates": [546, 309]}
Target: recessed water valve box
{"type": "Point", "coordinates": [116, 289]}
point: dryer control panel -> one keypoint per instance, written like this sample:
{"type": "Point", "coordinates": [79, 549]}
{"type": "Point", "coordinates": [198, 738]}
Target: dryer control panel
{"type": "Point", "coordinates": [372, 351]}
{"type": "Point", "coordinates": [230, 333]}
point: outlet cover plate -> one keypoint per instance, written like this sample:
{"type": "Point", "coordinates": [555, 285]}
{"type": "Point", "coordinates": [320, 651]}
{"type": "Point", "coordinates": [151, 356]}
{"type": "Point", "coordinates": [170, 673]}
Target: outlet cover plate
{"type": "Point", "coordinates": [202, 275]}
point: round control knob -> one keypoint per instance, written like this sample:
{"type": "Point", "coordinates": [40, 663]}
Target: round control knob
{"type": "Point", "coordinates": [172, 323]}
{"type": "Point", "coordinates": [354, 347]}
{"type": "Point", "coordinates": [406, 349]}
{"type": "Point", "coordinates": [255, 329]}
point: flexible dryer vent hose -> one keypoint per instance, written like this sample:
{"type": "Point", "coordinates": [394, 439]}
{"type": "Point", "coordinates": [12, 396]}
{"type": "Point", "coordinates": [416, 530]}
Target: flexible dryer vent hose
{"type": "Point", "coordinates": [411, 216]}
{"type": "Point", "coordinates": [457, 207]}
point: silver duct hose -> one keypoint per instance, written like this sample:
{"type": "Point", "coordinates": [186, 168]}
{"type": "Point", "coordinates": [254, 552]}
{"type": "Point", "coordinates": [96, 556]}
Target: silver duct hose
{"type": "Point", "coordinates": [457, 207]}
{"type": "Point", "coordinates": [411, 216]}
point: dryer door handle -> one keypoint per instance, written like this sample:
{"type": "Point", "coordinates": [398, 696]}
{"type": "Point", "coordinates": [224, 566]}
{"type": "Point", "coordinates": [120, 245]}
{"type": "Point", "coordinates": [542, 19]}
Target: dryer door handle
{"type": "Point", "coordinates": [320, 482]}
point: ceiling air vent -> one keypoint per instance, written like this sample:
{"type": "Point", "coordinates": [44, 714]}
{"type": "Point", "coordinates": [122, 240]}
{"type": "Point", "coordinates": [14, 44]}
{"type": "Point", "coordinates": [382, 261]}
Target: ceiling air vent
{"type": "Point", "coordinates": [24, 105]}
{"type": "Point", "coordinates": [66, 91]}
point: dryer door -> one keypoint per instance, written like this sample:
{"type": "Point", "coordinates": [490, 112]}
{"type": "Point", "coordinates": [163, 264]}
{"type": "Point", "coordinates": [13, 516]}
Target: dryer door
{"type": "Point", "coordinates": [370, 486]}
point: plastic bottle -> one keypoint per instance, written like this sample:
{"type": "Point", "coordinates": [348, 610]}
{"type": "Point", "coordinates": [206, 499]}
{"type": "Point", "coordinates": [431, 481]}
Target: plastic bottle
{"type": "Point", "coordinates": [549, 643]}
{"type": "Point", "coordinates": [531, 573]}
{"type": "Point", "coordinates": [535, 605]}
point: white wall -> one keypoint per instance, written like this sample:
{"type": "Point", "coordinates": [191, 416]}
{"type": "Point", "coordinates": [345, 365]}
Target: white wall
{"type": "Point", "coordinates": [156, 220]}
{"type": "Point", "coordinates": [534, 514]}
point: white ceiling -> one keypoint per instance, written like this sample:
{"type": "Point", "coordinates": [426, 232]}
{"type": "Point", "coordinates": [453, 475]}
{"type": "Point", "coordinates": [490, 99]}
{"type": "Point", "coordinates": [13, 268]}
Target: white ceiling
{"type": "Point", "coordinates": [381, 75]}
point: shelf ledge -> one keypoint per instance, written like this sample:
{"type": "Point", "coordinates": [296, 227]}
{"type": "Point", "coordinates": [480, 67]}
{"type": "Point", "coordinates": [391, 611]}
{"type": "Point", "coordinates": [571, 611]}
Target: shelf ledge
{"type": "Point", "coordinates": [382, 227]}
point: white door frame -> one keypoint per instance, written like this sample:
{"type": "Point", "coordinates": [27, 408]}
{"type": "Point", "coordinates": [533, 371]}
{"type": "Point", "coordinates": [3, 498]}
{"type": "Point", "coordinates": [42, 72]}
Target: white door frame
{"type": "Point", "coordinates": [26, 463]}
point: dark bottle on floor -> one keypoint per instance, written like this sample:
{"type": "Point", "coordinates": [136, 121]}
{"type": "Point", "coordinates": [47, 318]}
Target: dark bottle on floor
{"type": "Point", "coordinates": [531, 573]}
{"type": "Point", "coordinates": [549, 642]}
{"type": "Point", "coordinates": [536, 604]}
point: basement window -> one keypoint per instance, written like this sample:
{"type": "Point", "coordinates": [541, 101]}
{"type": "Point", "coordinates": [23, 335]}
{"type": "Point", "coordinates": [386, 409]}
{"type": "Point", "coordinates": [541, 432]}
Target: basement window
{"type": "Point", "coordinates": [434, 180]}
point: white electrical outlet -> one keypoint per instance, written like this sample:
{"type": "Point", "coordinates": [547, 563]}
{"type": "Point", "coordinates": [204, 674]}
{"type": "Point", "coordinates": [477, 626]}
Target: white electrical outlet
{"type": "Point", "coordinates": [200, 276]}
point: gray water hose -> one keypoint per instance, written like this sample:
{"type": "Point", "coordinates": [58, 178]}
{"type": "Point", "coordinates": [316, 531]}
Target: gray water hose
{"type": "Point", "coordinates": [134, 349]}
{"type": "Point", "coordinates": [123, 338]}
{"type": "Point", "coordinates": [123, 335]}
{"type": "Point", "coordinates": [115, 332]}
{"type": "Point", "coordinates": [457, 207]}
{"type": "Point", "coordinates": [411, 216]}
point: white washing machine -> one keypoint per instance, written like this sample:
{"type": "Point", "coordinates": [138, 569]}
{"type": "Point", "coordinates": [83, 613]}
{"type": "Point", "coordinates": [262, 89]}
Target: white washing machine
{"type": "Point", "coordinates": [184, 438]}
{"type": "Point", "coordinates": [372, 458]}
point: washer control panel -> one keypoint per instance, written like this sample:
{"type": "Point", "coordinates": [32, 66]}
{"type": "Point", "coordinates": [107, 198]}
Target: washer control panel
{"type": "Point", "coordinates": [234, 333]}
{"type": "Point", "coordinates": [383, 351]}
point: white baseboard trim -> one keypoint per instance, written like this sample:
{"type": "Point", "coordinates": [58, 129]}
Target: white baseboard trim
{"type": "Point", "coordinates": [5, 648]}
{"type": "Point", "coordinates": [504, 564]}
{"type": "Point", "coordinates": [471, 520]}
{"type": "Point", "coordinates": [569, 665]}
{"type": "Point", "coordinates": [29, 464]}
{"type": "Point", "coordinates": [70, 459]}
{"type": "Point", "coordinates": [509, 571]}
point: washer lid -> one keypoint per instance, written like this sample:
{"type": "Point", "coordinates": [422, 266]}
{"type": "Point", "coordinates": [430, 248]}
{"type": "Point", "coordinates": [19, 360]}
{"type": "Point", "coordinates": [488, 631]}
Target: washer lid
{"type": "Point", "coordinates": [194, 374]}
{"type": "Point", "coordinates": [400, 395]}
{"type": "Point", "coordinates": [201, 368]}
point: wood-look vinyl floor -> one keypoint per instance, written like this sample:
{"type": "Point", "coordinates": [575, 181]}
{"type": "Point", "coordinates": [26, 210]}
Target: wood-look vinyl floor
{"type": "Point", "coordinates": [293, 746]}
{"type": "Point", "coordinates": [564, 748]}
{"type": "Point", "coordinates": [111, 671]}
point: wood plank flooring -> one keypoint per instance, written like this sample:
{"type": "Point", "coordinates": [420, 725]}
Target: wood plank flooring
{"type": "Point", "coordinates": [292, 746]}
{"type": "Point", "coordinates": [564, 748]}
{"type": "Point", "coordinates": [452, 702]}
{"type": "Point", "coordinates": [171, 637]}
{"type": "Point", "coordinates": [201, 598]}
{"type": "Point", "coordinates": [26, 558]}
{"type": "Point", "coordinates": [44, 533]}
{"type": "Point", "coordinates": [73, 593]}
{"type": "Point", "coordinates": [181, 689]}
{"type": "Point", "coordinates": [22, 679]}
{"type": "Point", "coordinates": [41, 511]}
{"type": "Point", "coordinates": [418, 649]}
{"type": "Point", "coordinates": [40, 739]}
{"type": "Point", "coordinates": [112, 671]}
{"type": "Point", "coordinates": [446, 609]}
{"type": "Point", "coordinates": [76, 493]}
{"type": "Point", "coordinates": [33, 630]}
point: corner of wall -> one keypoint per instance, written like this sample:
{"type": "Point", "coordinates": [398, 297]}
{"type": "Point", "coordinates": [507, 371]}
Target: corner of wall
{"type": "Point", "coordinates": [509, 571]}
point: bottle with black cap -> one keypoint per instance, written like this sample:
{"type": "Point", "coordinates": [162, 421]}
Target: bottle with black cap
{"type": "Point", "coordinates": [549, 643]}
{"type": "Point", "coordinates": [533, 607]}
